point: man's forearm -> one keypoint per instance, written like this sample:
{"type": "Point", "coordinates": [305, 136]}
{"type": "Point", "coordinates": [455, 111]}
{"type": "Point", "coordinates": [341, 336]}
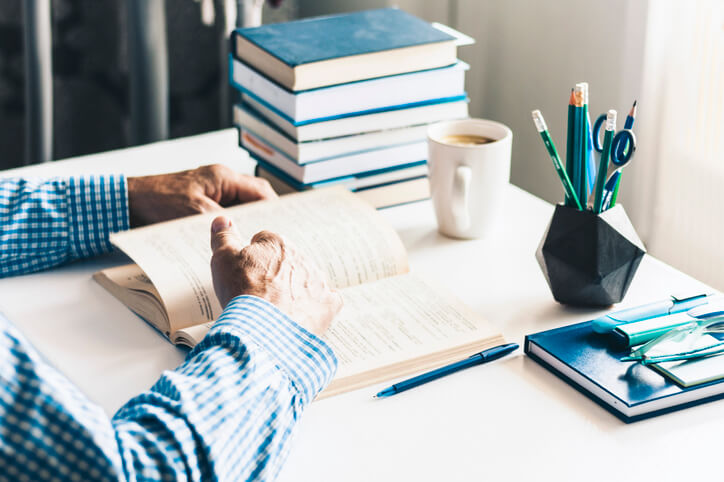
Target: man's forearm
{"type": "Point", "coordinates": [234, 402]}
{"type": "Point", "coordinates": [45, 222]}
{"type": "Point", "coordinates": [225, 414]}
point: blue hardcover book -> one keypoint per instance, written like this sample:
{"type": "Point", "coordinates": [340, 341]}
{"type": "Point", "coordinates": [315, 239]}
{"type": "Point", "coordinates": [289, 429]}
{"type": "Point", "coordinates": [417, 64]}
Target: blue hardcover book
{"type": "Point", "coordinates": [629, 390]}
{"type": "Point", "coordinates": [321, 51]}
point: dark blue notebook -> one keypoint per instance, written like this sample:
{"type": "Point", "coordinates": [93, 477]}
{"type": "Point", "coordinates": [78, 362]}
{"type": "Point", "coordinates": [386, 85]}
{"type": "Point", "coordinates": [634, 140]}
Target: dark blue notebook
{"type": "Point", "coordinates": [323, 38]}
{"type": "Point", "coordinates": [629, 390]}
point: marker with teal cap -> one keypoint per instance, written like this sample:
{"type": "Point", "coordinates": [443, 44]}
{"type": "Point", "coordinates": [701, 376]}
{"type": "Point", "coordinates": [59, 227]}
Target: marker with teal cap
{"type": "Point", "coordinates": [674, 304]}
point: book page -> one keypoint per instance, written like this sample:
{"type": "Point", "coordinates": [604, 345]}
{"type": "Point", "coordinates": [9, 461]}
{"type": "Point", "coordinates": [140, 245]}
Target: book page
{"type": "Point", "coordinates": [400, 325]}
{"type": "Point", "coordinates": [130, 285]}
{"type": "Point", "coordinates": [391, 328]}
{"type": "Point", "coordinates": [343, 235]}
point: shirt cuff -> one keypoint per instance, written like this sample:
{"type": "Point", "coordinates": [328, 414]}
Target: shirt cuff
{"type": "Point", "coordinates": [307, 360]}
{"type": "Point", "coordinates": [97, 207]}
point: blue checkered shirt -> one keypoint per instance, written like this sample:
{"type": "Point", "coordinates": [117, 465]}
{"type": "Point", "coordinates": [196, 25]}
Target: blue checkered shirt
{"type": "Point", "coordinates": [225, 414]}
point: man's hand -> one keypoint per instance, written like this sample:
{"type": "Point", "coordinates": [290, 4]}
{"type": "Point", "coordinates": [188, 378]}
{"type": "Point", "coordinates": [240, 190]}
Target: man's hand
{"type": "Point", "coordinates": [152, 199]}
{"type": "Point", "coordinates": [272, 269]}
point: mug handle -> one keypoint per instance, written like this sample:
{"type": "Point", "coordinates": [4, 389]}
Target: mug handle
{"type": "Point", "coordinates": [460, 197]}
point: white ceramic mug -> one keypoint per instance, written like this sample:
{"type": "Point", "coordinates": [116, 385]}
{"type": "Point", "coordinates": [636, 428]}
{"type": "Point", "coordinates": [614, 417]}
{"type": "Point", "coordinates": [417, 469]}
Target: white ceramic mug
{"type": "Point", "coordinates": [467, 182]}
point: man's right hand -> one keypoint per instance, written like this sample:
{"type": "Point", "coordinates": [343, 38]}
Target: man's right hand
{"type": "Point", "coordinates": [272, 269]}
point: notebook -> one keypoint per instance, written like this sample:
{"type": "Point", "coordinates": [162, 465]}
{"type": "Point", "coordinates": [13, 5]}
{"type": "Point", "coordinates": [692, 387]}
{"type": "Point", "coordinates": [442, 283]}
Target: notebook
{"type": "Point", "coordinates": [629, 390]}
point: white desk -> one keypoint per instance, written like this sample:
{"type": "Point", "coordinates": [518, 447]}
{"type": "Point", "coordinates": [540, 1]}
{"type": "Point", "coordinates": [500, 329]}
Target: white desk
{"type": "Point", "coordinates": [509, 420]}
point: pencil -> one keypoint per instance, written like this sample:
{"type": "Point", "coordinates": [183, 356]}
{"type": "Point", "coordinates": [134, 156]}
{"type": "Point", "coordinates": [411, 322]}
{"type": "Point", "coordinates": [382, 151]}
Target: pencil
{"type": "Point", "coordinates": [622, 148]}
{"type": "Point", "coordinates": [603, 165]}
{"type": "Point", "coordinates": [582, 88]}
{"type": "Point", "coordinates": [540, 124]}
{"type": "Point", "coordinates": [569, 144]}
{"type": "Point", "coordinates": [590, 160]}
{"type": "Point", "coordinates": [579, 130]}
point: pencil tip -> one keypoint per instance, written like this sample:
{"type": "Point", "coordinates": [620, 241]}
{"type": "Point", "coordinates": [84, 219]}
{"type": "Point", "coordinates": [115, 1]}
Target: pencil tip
{"type": "Point", "coordinates": [632, 112]}
{"type": "Point", "coordinates": [572, 99]}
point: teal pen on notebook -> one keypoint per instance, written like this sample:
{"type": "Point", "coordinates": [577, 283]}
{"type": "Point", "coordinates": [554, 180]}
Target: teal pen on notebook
{"type": "Point", "coordinates": [477, 359]}
{"type": "Point", "coordinates": [673, 304]}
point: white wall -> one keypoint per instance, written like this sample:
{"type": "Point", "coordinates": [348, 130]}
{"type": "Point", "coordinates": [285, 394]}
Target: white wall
{"type": "Point", "coordinates": [528, 55]}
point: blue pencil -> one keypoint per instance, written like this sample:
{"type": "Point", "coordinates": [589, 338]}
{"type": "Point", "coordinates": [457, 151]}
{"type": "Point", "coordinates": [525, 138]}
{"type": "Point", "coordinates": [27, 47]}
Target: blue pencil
{"type": "Point", "coordinates": [630, 118]}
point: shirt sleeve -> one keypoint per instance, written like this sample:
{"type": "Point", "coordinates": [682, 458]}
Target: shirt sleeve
{"type": "Point", "coordinates": [45, 222]}
{"type": "Point", "coordinates": [226, 413]}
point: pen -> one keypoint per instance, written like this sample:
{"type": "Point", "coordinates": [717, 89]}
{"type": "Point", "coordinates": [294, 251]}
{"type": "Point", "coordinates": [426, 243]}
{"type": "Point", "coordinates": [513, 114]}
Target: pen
{"type": "Point", "coordinates": [477, 359]}
{"type": "Point", "coordinates": [540, 124]}
{"type": "Point", "coordinates": [671, 305]}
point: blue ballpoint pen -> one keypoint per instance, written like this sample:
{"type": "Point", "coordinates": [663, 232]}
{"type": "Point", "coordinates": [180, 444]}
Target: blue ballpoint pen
{"type": "Point", "coordinates": [477, 359]}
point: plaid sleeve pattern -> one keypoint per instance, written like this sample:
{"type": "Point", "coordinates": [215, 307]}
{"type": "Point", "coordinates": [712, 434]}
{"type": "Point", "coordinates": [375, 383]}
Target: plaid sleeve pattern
{"type": "Point", "coordinates": [225, 414]}
{"type": "Point", "coordinates": [45, 222]}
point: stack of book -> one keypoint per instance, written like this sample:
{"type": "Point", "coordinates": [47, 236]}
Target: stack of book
{"type": "Point", "coordinates": [346, 99]}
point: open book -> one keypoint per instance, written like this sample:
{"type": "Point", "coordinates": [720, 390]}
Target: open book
{"type": "Point", "coordinates": [392, 323]}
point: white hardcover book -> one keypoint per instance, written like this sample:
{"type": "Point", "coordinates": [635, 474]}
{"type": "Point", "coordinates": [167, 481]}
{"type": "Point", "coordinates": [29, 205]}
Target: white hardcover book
{"type": "Point", "coordinates": [354, 98]}
{"type": "Point", "coordinates": [311, 151]}
{"type": "Point", "coordinates": [344, 126]}
{"type": "Point", "coordinates": [354, 182]}
{"type": "Point", "coordinates": [383, 195]}
{"type": "Point", "coordinates": [338, 166]}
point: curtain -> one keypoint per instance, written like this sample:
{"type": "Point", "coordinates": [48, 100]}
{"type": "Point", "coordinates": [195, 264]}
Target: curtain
{"type": "Point", "coordinates": [676, 192]}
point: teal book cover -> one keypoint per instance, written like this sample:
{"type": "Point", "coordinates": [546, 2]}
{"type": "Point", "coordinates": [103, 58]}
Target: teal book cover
{"type": "Point", "coordinates": [323, 38]}
{"type": "Point", "coordinates": [631, 391]}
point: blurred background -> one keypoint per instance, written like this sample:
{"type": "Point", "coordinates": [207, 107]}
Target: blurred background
{"type": "Point", "coordinates": [667, 54]}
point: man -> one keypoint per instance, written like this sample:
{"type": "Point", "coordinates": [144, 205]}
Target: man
{"type": "Point", "coordinates": [227, 412]}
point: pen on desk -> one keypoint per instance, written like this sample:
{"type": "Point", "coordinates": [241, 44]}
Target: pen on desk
{"type": "Point", "coordinates": [477, 359]}
{"type": "Point", "coordinates": [540, 124]}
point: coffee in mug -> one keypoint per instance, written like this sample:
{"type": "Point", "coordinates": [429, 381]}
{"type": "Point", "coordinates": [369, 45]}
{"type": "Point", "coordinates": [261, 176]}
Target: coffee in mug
{"type": "Point", "coordinates": [469, 170]}
{"type": "Point", "coordinates": [465, 140]}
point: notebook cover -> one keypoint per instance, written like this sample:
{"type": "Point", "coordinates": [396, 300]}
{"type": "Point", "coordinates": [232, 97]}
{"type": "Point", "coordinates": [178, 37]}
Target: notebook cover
{"type": "Point", "coordinates": [323, 38]}
{"type": "Point", "coordinates": [589, 354]}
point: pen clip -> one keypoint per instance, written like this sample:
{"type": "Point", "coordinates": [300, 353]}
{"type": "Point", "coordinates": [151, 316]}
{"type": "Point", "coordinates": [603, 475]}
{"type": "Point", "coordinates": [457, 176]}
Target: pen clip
{"type": "Point", "coordinates": [684, 296]}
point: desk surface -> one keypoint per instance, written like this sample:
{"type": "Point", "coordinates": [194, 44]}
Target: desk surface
{"type": "Point", "coordinates": [510, 419]}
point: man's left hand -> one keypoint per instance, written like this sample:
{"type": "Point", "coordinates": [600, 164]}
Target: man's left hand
{"type": "Point", "coordinates": [152, 199]}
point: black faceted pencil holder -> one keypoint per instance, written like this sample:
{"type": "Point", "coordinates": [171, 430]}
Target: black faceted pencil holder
{"type": "Point", "coordinates": [589, 259]}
